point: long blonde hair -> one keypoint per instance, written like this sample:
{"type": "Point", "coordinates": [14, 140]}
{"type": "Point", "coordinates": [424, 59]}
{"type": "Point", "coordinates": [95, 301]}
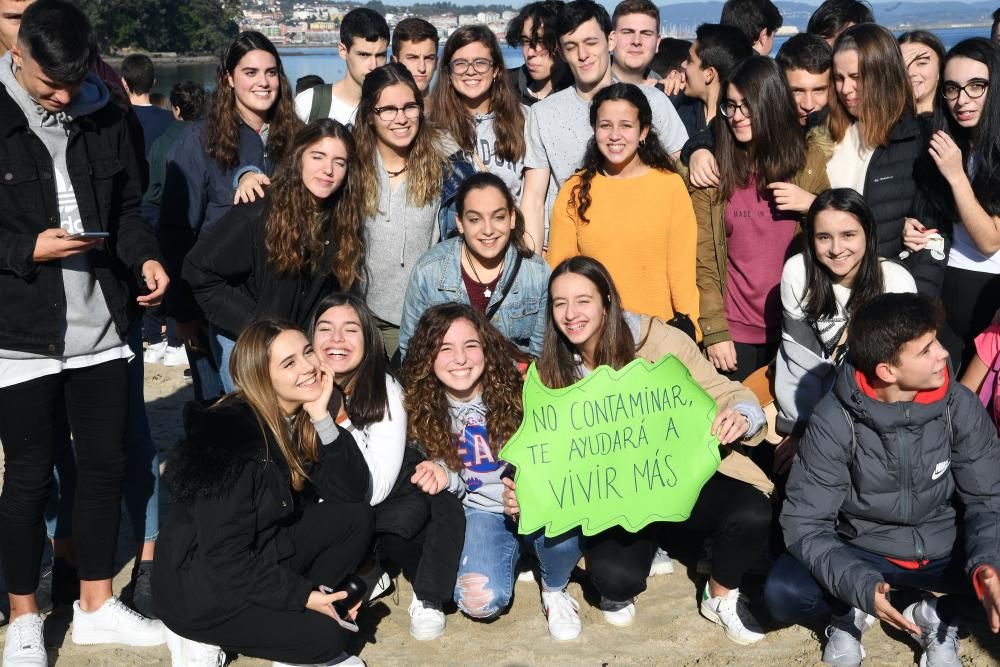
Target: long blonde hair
{"type": "Point", "coordinates": [250, 368]}
{"type": "Point", "coordinates": [425, 164]}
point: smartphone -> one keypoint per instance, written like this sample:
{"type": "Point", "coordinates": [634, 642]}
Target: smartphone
{"type": "Point", "coordinates": [355, 588]}
{"type": "Point", "coordinates": [83, 236]}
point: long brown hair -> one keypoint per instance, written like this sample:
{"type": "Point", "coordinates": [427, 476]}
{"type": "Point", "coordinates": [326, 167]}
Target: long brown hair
{"type": "Point", "coordinates": [777, 150]}
{"type": "Point", "coordinates": [250, 368]}
{"type": "Point", "coordinates": [886, 93]}
{"type": "Point", "coordinates": [558, 366]}
{"type": "Point", "coordinates": [425, 164]}
{"type": "Point", "coordinates": [298, 224]}
{"type": "Point", "coordinates": [428, 418]}
{"type": "Point", "coordinates": [448, 112]}
{"type": "Point", "coordinates": [222, 124]}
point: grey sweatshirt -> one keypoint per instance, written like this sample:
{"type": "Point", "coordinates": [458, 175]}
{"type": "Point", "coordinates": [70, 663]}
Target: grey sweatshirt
{"type": "Point", "coordinates": [89, 328]}
{"type": "Point", "coordinates": [478, 483]}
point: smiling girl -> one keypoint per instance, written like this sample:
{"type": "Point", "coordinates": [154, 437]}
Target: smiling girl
{"type": "Point", "coordinates": [488, 266]}
{"type": "Point", "coordinates": [246, 547]}
{"type": "Point", "coordinates": [251, 123]}
{"type": "Point", "coordinates": [587, 327]}
{"type": "Point", "coordinates": [463, 396]}
{"type": "Point", "coordinates": [418, 533]}
{"type": "Point", "coordinates": [279, 255]}
{"type": "Point", "coordinates": [821, 288]}
{"type": "Point", "coordinates": [769, 175]}
{"type": "Point", "coordinates": [966, 155]}
{"type": "Point", "coordinates": [629, 209]}
{"type": "Point", "coordinates": [474, 101]}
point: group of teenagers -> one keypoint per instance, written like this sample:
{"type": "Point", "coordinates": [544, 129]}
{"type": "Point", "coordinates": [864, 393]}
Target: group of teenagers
{"type": "Point", "coordinates": [361, 273]}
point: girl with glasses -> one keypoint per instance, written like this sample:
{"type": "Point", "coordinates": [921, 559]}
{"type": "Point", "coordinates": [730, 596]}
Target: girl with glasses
{"type": "Point", "coordinates": [395, 189]}
{"type": "Point", "coordinates": [473, 100]}
{"type": "Point", "coordinates": [967, 156]}
{"type": "Point", "coordinates": [769, 175]}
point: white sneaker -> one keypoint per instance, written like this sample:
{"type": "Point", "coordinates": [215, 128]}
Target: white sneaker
{"type": "Point", "coordinates": [175, 356]}
{"type": "Point", "coordinates": [426, 620]}
{"type": "Point", "coordinates": [662, 564]}
{"type": "Point", "coordinates": [343, 660]}
{"type": "Point", "coordinates": [619, 614]}
{"type": "Point", "coordinates": [527, 576]}
{"type": "Point", "coordinates": [154, 352]}
{"type": "Point", "coordinates": [189, 653]}
{"type": "Point", "coordinates": [731, 613]}
{"type": "Point", "coordinates": [24, 645]}
{"type": "Point", "coordinates": [843, 638]}
{"type": "Point", "coordinates": [939, 640]}
{"type": "Point", "coordinates": [115, 623]}
{"type": "Point", "coordinates": [563, 614]}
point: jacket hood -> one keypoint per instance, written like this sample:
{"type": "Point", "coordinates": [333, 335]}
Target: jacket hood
{"type": "Point", "coordinates": [882, 417]}
{"type": "Point", "coordinates": [92, 97]}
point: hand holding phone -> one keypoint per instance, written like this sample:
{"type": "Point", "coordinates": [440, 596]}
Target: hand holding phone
{"type": "Point", "coordinates": [353, 588]}
{"type": "Point", "coordinates": [84, 236]}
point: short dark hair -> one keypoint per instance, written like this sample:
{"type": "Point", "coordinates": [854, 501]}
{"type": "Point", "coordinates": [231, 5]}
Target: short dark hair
{"type": "Point", "coordinates": [57, 35]}
{"type": "Point", "coordinates": [413, 29]}
{"type": "Point", "coordinates": [882, 326]}
{"type": "Point", "coordinates": [138, 72]}
{"type": "Point", "coordinates": [996, 22]}
{"type": "Point", "coordinates": [805, 51]}
{"type": "Point", "coordinates": [752, 16]}
{"type": "Point", "coordinates": [834, 16]}
{"type": "Point", "coordinates": [543, 16]}
{"type": "Point", "coordinates": [578, 12]}
{"type": "Point", "coordinates": [670, 55]}
{"type": "Point", "coordinates": [627, 7]}
{"type": "Point", "coordinates": [189, 97]}
{"type": "Point", "coordinates": [363, 23]}
{"type": "Point", "coordinates": [721, 47]}
{"type": "Point", "coordinates": [308, 81]}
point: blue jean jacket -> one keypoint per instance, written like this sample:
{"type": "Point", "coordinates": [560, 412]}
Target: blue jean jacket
{"type": "Point", "coordinates": [437, 278]}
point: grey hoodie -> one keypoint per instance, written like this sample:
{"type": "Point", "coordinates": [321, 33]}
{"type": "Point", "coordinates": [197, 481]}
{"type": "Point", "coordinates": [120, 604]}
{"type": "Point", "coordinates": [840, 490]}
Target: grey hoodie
{"type": "Point", "coordinates": [89, 328]}
{"type": "Point", "coordinates": [478, 483]}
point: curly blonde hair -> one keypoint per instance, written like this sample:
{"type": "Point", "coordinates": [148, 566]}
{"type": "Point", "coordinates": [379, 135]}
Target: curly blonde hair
{"type": "Point", "coordinates": [428, 419]}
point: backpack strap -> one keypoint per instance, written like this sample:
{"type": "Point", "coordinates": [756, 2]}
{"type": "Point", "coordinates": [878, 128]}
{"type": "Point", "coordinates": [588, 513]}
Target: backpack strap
{"type": "Point", "coordinates": [322, 102]}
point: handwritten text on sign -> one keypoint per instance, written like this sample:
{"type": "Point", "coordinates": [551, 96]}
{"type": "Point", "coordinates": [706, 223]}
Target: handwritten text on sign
{"type": "Point", "coordinates": [625, 447]}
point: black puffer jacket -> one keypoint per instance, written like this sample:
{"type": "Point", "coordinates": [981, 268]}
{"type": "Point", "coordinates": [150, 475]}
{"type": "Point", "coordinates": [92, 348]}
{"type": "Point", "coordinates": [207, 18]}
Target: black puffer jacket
{"type": "Point", "coordinates": [890, 486]}
{"type": "Point", "coordinates": [220, 549]}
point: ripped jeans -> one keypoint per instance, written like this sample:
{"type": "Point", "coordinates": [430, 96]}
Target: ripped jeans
{"type": "Point", "coordinates": [486, 572]}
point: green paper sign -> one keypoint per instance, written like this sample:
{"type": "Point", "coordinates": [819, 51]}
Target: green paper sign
{"type": "Point", "coordinates": [625, 447]}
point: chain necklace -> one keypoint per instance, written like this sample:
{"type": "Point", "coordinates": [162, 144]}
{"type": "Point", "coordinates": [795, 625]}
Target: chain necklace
{"type": "Point", "coordinates": [487, 292]}
{"type": "Point", "coordinates": [394, 174]}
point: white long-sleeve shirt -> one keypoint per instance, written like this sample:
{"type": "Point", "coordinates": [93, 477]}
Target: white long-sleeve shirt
{"type": "Point", "coordinates": [382, 443]}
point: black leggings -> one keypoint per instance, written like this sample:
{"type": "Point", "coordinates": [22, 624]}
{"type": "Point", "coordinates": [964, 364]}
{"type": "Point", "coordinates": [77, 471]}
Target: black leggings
{"type": "Point", "coordinates": [429, 558]}
{"type": "Point", "coordinates": [736, 513]}
{"type": "Point", "coordinates": [970, 298]}
{"type": "Point", "coordinates": [330, 540]}
{"type": "Point", "coordinates": [94, 400]}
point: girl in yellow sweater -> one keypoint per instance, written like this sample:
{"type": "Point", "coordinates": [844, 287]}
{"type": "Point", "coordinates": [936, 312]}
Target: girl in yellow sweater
{"type": "Point", "coordinates": [628, 208]}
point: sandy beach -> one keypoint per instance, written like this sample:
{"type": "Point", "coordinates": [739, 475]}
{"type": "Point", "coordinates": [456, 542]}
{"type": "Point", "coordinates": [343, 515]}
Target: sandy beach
{"type": "Point", "coordinates": [667, 630]}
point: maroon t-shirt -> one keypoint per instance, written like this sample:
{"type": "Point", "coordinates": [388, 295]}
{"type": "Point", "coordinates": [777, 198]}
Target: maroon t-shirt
{"type": "Point", "coordinates": [476, 290]}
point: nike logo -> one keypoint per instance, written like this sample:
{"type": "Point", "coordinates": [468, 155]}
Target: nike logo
{"type": "Point", "coordinates": [940, 469]}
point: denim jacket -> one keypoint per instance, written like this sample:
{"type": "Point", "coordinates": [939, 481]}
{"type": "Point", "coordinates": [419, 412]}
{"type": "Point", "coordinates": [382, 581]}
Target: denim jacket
{"type": "Point", "coordinates": [437, 278]}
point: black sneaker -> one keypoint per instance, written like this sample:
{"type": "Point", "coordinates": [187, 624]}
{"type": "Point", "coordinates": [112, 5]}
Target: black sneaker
{"type": "Point", "coordinates": [142, 592]}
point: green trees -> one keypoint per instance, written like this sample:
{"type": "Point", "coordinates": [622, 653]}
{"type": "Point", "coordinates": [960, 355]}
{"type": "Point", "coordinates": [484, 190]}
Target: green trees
{"type": "Point", "coordinates": [184, 26]}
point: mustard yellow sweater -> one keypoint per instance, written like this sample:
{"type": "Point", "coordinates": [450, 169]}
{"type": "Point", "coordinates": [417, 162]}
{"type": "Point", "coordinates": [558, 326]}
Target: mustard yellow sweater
{"type": "Point", "coordinates": [643, 230]}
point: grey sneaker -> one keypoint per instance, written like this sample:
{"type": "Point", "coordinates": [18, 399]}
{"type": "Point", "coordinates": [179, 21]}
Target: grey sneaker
{"type": "Point", "coordinates": [843, 646]}
{"type": "Point", "coordinates": [939, 640]}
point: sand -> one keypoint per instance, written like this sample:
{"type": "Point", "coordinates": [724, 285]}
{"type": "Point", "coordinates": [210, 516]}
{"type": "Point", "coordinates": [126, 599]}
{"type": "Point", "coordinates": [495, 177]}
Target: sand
{"type": "Point", "coordinates": [667, 630]}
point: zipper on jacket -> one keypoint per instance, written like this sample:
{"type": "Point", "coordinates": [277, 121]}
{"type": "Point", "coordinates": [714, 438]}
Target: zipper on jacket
{"type": "Point", "coordinates": [905, 472]}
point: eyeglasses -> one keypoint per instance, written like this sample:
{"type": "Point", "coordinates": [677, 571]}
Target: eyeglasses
{"type": "Point", "coordinates": [479, 66]}
{"type": "Point", "coordinates": [389, 114]}
{"type": "Point", "coordinates": [528, 43]}
{"type": "Point", "coordinates": [729, 109]}
{"type": "Point", "coordinates": [974, 89]}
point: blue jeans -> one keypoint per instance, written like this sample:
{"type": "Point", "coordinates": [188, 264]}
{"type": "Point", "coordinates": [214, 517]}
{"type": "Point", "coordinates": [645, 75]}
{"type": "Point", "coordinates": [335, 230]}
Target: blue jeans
{"type": "Point", "coordinates": [793, 595]}
{"type": "Point", "coordinates": [222, 348]}
{"type": "Point", "coordinates": [486, 572]}
{"type": "Point", "coordinates": [141, 488]}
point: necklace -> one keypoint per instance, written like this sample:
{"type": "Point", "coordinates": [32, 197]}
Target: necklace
{"type": "Point", "coordinates": [394, 174]}
{"type": "Point", "coordinates": [487, 292]}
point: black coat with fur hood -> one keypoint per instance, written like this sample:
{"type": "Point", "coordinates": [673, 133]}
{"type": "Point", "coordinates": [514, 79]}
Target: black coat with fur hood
{"type": "Point", "coordinates": [220, 549]}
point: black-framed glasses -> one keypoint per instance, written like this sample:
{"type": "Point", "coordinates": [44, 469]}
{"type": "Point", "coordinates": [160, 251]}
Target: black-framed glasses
{"type": "Point", "coordinates": [479, 66]}
{"type": "Point", "coordinates": [389, 114]}
{"type": "Point", "coordinates": [974, 89]}
{"type": "Point", "coordinates": [728, 109]}
{"type": "Point", "coordinates": [529, 43]}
